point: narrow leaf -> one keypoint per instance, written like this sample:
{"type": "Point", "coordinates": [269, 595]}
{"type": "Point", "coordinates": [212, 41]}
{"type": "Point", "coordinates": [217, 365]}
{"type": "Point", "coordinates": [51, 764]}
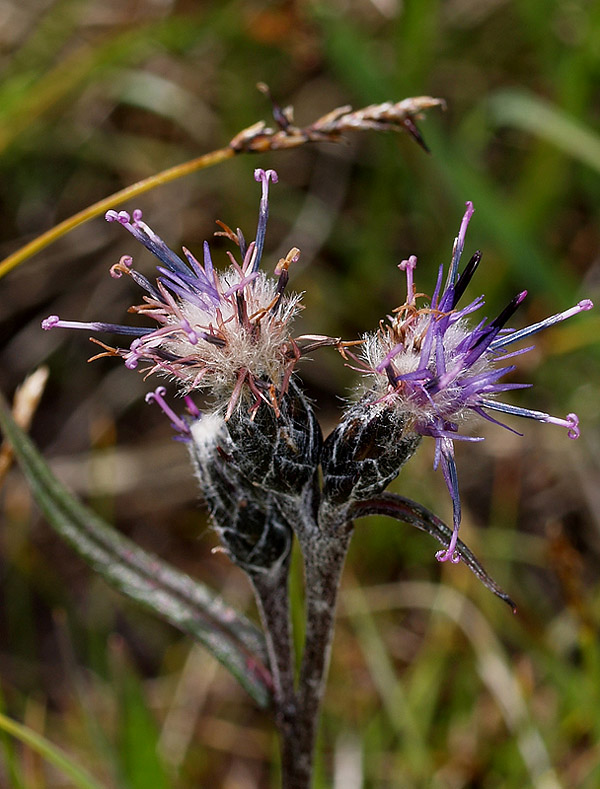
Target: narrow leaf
{"type": "Point", "coordinates": [414, 514]}
{"type": "Point", "coordinates": [528, 112]}
{"type": "Point", "coordinates": [138, 735]}
{"type": "Point", "coordinates": [77, 776]}
{"type": "Point", "coordinates": [177, 598]}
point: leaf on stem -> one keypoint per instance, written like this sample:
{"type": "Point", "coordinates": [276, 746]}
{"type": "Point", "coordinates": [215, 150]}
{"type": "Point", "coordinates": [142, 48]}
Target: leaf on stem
{"type": "Point", "coordinates": [414, 514]}
{"type": "Point", "coordinates": [173, 595]}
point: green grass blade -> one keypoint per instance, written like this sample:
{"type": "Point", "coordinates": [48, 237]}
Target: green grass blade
{"type": "Point", "coordinates": [531, 266]}
{"type": "Point", "coordinates": [529, 113]}
{"type": "Point", "coordinates": [25, 101]}
{"type": "Point", "coordinates": [177, 598]}
{"type": "Point", "coordinates": [79, 777]}
{"type": "Point", "coordinates": [142, 765]}
{"type": "Point", "coordinates": [8, 757]}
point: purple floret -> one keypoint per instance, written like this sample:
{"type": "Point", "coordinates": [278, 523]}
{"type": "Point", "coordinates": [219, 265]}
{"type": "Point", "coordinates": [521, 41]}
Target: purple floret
{"type": "Point", "coordinates": [457, 370]}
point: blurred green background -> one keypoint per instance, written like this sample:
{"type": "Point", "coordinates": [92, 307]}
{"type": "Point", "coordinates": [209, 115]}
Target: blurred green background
{"type": "Point", "coordinates": [433, 682]}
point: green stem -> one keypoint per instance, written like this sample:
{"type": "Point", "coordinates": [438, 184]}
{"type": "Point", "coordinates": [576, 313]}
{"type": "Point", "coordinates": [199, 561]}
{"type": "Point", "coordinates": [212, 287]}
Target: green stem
{"type": "Point", "coordinates": [324, 559]}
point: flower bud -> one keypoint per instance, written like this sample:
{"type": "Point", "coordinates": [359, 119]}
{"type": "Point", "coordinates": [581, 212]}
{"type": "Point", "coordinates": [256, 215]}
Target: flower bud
{"type": "Point", "coordinates": [247, 518]}
{"type": "Point", "coordinates": [365, 452]}
{"type": "Point", "coordinates": [278, 452]}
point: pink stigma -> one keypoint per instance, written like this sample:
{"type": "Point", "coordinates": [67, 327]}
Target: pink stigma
{"type": "Point", "coordinates": [50, 322]}
{"type": "Point", "coordinates": [265, 175]}
{"type": "Point", "coordinates": [573, 423]}
{"type": "Point", "coordinates": [448, 555]}
{"type": "Point", "coordinates": [158, 397]}
{"type": "Point", "coordinates": [409, 266]}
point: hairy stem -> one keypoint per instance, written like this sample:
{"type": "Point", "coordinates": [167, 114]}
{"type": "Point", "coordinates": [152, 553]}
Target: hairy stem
{"type": "Point", "coordinates": [272, 598]}
{"type": "Point", "coordinates": [324, 557]}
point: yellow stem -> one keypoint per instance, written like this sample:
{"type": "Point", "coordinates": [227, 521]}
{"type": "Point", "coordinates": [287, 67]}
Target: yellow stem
{"type": "Point", "coordinates": [178, 171]}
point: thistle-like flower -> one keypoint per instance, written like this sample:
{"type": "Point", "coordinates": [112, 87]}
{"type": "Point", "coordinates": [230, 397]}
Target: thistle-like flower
{"type": "Point", "coordinates": [257, 449]}
{"type": "Point", "coordinates": [435, 370]}
{"type": "Point", "coordinates": [227, 333]}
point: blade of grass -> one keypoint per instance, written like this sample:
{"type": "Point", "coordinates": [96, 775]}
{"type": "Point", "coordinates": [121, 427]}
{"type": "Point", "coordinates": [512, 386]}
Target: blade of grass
{"type": "Point", "coordinates": [174, 596]}
{"type": "Point", "coordinates": [528, 112]}
{"type": "Point", "coordinates": [96, 735]}
{"type": "Point", "coordinates": [80, 778]}
{"type": "Point", "coordinates": [452, 163]}
{"type": "Point", "coordinates": [494, 666]}
{"type": "Point", "coordinates": [530, 264]}
{"type": "Point", "coordinates": [25, 100]}
{"type": "Point", "coordinates": [8, 757]}
{"type": "Point", "coordinates": [51, 31]}
{"type": "Point", "coordinates": [393, 694]}
{"type": "Point", "coordinates": [142, 764]}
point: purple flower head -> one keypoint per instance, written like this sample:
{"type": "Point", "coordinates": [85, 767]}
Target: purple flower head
{"type": "Point", "coordinates": [439, 370]}
{"type": "Point", "coordinates": [225, 332]}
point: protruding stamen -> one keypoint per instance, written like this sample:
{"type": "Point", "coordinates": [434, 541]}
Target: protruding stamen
{"type": "Point", "coordinates": [51, 322]}
{"type": "Point", "coordinates": [247, 259]}
{"type": "Point", "coordinates": [509, 310]}
{"type": "Point", "coordinates": [236, 393]}
{"type": "Point", "coordinates": [54, 322]}
{"type": "Point", "coordinates": [409, 266]}
{"type": "Point", "coordinates": [582, 306]}
{"type": "Point", "coordinates": [391, 374]}
{"type": "Point", "coordinates": [438, 288]}
{"type": "Point", "coordinates": [281, 271]}
{"type": "Point", "coordinates": [191, 334]}
{"type": "Point", "coordinates": [385, 362]}
{"type": "Point", "coordinates": [146, 236]}
{"type": "Point", "coordinates": [192, 408]}
{"type": "Point", "coordinates": [117, 216]}
{"type": "Point", "coordinates": [241, 242]}
{"type": "Point", "coordinates": [239, 286]}
{"type": "Point", "coordinates": [263, 176]}
{"type": "Point", "coordinates": [284, 263]}
{"type": "Point", "coordinates": [133, 357]}
{"type": "Point", "coordinates": [176, 421]}
{"type": "Point", "coordinates": [571, 422]}
{"type": "Point", "coordinates": [282, 282]}
{"type": "Point", "coordinates": [491, 332]}
{"type": "Point", "coordinates": [199, 280]}
{"type": "Point", "coordinates": [481, 340]}
{"type": "Point", "coordinates": [208, 267]}
{"type": "Point", "coordinates": [213, 339]}
{"type": "Point", "coordinates": [459, 244]}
